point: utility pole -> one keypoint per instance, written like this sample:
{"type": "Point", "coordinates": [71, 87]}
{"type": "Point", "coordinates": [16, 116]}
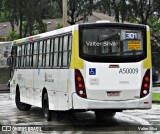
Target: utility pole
{"type": "Point", "coordinates": [64, 13]}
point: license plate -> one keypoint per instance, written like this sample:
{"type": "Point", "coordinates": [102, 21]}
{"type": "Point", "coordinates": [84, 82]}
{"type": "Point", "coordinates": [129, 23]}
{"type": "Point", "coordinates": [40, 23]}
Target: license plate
{"type": "Point", "coordinates": [115, 93]}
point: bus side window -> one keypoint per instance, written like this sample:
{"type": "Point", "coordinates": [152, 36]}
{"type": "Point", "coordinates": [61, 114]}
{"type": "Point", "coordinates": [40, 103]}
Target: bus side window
{"type": "Point", "coordinates": [31, 55]}
{"type": "Point", "coordinates": [52, 53]}
{"type": "Point", "coordinates": [44, 53]}
{"type": "Point", "coordinates": [13, 53]}
{"type": "Point", "coordinates": [27, 58]}
{"type": "Point", "coordinates": [35, 53]}
{"type": "Point", "coordinates": [22, 57]}
{"type": "Point", "coordinates": [25, 55]}
{"type": "Point", "coordinates": [40, 54]}
{"type": "Point", "coordinates": [60, 52]}
{"type": "Point", "coordinates": [17, 54]}
{"type": "Point", "coordinates": [48, 53]}
{"type": "Point", "coordinates": [65, 51]}
{"type": "Point", "coordinates": [56, 52]}
{"type": "Point", "coordinates": [69, 50]}
{"type": "Point", "coordinates": [18, 59]}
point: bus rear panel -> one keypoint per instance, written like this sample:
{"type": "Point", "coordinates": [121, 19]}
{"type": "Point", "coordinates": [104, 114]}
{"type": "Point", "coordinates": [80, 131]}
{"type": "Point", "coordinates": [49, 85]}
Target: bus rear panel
{"type": "Point", "coordinates": [115, 73]}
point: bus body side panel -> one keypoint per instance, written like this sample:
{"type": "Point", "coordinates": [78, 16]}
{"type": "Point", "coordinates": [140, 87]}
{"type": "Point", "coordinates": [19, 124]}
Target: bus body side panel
{"type": "Point", "coordinates": [12, 88]}
{"type": "Point", "coordinates": [56, 85]}
{"type": "Point", "coordinates": [71, 88]}
{"type": "Point", "coordinates": [39, 79]}
{"type": "Point", "coordinates": [28, 80]}
{"type": "Point", "coordinates": [63, 75]}
{"type": "Point", "coordinates": [50, 80]}
{"type": "Point", "coordinates": [20, 81]}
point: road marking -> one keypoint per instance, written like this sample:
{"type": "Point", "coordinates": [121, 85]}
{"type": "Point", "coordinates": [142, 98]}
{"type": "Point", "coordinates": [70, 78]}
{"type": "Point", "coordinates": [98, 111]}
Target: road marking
{"type": "Point", "coordinates": [140, 120]}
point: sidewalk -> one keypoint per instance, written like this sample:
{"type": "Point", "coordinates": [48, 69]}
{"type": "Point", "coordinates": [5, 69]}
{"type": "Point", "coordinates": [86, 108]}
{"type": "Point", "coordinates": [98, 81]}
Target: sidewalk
{"type": "Point", "coordinates": [156, 87]}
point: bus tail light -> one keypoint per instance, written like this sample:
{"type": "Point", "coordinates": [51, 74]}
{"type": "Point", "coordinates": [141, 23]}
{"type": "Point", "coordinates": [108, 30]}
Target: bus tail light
{"type": "Point", "coordinates": [145, 84]}
{"type": "Point", "coordinates": [79, 84]}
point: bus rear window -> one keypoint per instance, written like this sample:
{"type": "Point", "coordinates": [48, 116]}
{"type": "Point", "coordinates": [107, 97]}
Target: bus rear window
{"type": "Point", "coordinates": [118, 44]}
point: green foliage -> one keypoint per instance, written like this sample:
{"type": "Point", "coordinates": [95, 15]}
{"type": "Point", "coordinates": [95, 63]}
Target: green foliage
{"type": "Point", "coordinates": [32, 12]}
{"type": "Point", "coordinates": [154, 23]}
{"type": "Point", "coordinates": [79, 10]}
{"type": "Point", "coordinates": [156, 97]}
{"type": "Point", "coordinates": [4, 39]}
{"type": "Point", "coordinates": [138, 11]}
{"type": "Point", "coordinates": [58, 25]}
{"type": "Point", "coordinates": [12, 36]}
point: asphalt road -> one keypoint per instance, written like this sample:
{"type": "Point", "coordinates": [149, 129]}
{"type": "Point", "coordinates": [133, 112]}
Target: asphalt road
{"type": "Point", "coordinates": [129, 121]}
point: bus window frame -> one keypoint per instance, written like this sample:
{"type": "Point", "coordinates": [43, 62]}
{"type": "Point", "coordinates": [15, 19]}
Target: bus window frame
{"type": "Point", "coordinates": [112, 59]}
{"type": "Point", "coordinates": [52, 39]}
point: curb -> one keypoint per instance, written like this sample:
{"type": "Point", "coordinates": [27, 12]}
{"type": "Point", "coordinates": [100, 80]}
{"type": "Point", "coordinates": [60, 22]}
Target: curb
{"type": "Point", "coordinates": [155, 101]}
{"type": "Point", "coordinates": [156, 84]}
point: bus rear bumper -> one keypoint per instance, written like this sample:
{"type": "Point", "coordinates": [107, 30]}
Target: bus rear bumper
{"type": "Point", "coordinates": [87, 104]}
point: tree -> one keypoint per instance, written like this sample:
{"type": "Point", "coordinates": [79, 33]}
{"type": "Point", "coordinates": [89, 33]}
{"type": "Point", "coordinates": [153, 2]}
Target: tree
{"type": "Point", "coordinates": [104, 7]}
{"type": "Point", "coordinates": [79, 10]}
{"type": "Point", "coordinates": [57, 6]}
{"type": "Point", "coordinates": [117, 8]}
{"type": "Point", "coordinates": [142, 10]}
{"type": "Point", "coordinates": [32, 12]}
{"type": "Point", "coordinates": [12, 35]}
{"type": "Point", "coordinates": [33, 15]}
{"type": "Point", "coordinates": [10, 12]}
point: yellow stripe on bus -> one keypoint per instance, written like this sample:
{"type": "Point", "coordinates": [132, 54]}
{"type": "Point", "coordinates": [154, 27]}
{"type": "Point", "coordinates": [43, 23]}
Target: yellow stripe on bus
{"type": "Point", "coordinates": [76, 61]}
{"type": "Point", "coordinates": [148, 60]}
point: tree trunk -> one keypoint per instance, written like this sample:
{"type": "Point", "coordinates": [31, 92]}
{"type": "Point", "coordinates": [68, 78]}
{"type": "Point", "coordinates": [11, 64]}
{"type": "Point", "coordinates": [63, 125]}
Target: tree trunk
{"type": "Point", "coordinates": [20, 26]}
{"type": "Point", "coordinates": [12, 25]}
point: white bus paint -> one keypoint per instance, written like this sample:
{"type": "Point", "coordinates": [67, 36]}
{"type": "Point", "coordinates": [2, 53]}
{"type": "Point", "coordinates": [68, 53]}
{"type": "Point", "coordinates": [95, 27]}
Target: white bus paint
{"type": "Point", "coordinates": [57, 71]}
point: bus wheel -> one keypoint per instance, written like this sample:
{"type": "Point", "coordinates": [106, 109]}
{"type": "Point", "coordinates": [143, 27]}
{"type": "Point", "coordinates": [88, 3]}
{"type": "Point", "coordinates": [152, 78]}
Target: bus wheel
{"type": "Point", "coordinates": [104, 114]}
{"type": "Point", "coordinates": [45, 106]}
{"type": "Point", "coordinates": [21, 106]}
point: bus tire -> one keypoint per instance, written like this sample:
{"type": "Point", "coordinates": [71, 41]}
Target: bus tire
{"type": "Point", "coordinates": [21, 106]}
{"type": "Point", "coordinates": [45, 106]}
{"type": "Point", "coordinates": [104, 114]}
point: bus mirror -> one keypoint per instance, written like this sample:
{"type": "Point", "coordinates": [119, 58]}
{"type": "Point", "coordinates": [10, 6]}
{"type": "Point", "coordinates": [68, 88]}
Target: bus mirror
{"type": "Point", "coordinates": [9, 61]}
